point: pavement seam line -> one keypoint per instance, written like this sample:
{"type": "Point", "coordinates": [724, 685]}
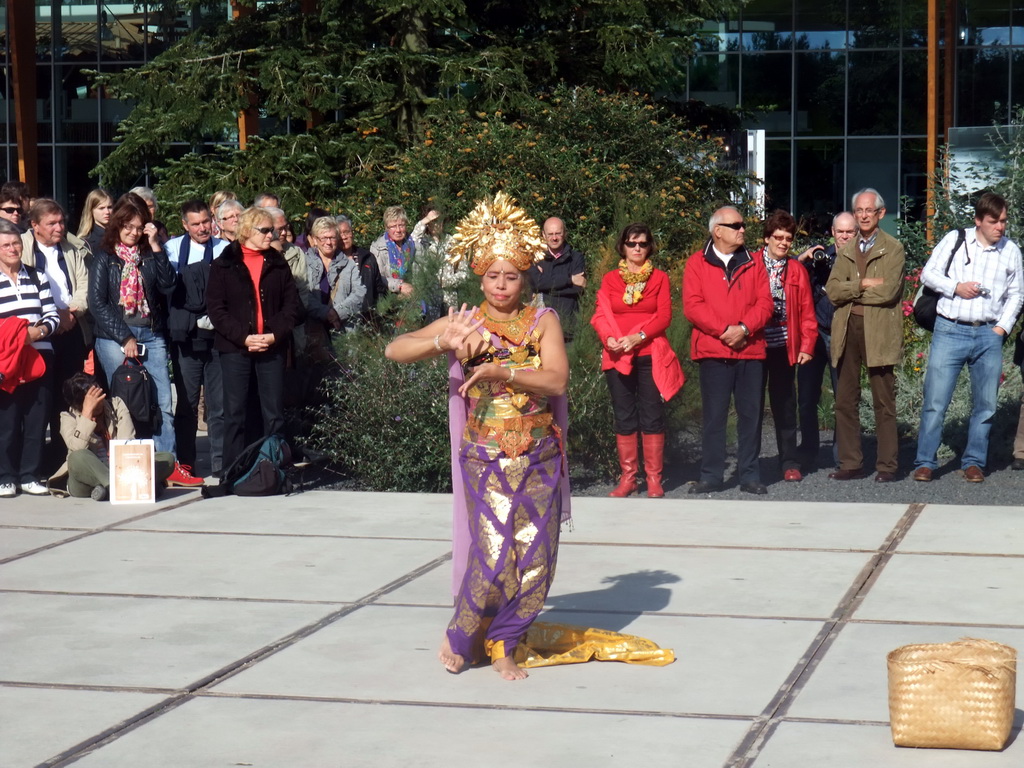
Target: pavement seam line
{"type": "Point", "coordinates": [766, 724]}
{"type": "Point", "coordinates": [93, 531]}
{"type": "Point", "coordinates": [189, 693]}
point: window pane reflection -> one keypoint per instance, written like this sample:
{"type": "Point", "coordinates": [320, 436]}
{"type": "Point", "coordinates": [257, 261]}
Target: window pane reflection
{"type": "Point", "coordinates": [874, 92]}
{"type": "Point", "coordinates": [768, 25]}
{"type": "Point", "coordinates": [875, 23]}
{"type": "Point", "coordinates": [820, 93]}
{"type": "Point", "coordinates": [715, 79]}
{"type": "Point", "coordinates": [915, 97]}
{"type": "Point", "coordinates": [767, 90]}
{"type": "Point", "coordinates": [984, 22]}
{"type": "Point", "coordinates": [819, 192]}
{"type": "Point", "coordinates": [821, 24]}
{"type": "Point", "coordinates": [778, 157]}
{"type": "Point", "coordinates": [874, 163]}
{"type": "Point", "coordinates": [982, 86]}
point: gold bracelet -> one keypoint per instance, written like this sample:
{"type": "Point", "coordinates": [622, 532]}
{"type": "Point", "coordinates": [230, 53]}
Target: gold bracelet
{"type": "Point", "coordinates": [437, 343]}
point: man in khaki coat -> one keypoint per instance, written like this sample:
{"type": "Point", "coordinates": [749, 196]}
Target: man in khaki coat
{"type": "Point", "coordinates": [866, 286]}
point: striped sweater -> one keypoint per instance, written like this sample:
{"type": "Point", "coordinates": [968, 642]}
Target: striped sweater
{"type": "Point", "coordinates": [29, 297]}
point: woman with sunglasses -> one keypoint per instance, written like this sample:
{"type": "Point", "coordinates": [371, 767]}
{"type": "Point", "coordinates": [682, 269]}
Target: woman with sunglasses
{"type": "Point", "coordinates": [634, 309]}
{"type": "Point", "coordinates": [253, 304]}
{"type": "Point", "coordinates": [791, 333]}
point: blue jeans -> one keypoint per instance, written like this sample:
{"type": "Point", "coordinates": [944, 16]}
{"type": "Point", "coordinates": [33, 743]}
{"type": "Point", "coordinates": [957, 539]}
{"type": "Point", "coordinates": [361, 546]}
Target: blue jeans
{"type": "Point", "coordinates": [953, 346]}
{"type": "Point", "coordinates": [111, 357]}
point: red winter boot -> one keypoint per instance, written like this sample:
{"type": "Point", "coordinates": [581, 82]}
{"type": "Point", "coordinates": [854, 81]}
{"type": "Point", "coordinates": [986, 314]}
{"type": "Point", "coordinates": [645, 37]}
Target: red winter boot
{"type": "Point", "coordinates": [629, 462]}
{"type": "Point", "coordinates": [654, 459]}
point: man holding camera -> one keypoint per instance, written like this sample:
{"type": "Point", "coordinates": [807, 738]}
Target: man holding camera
{"type": "Point", "coordinates": [981, 293]}
{"type": "Point", "coordinates": [819, 261]}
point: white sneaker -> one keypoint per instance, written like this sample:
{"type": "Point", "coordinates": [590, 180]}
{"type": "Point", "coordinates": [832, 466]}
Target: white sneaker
{"type": "Point", "coordinates": [8, 490]}
{"type": "Point", "coordinates": [34, 488]}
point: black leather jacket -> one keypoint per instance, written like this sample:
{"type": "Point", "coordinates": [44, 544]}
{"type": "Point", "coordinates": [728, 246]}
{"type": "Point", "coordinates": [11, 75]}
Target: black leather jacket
{"type": "Point", "coordinates": [105, 293]}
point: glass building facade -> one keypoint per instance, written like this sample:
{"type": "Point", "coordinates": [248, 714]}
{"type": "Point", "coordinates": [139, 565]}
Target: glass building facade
{"type": "Point", "coordinates": [840, 88]}
{"type": "Point", "coordinates": [76, 123]}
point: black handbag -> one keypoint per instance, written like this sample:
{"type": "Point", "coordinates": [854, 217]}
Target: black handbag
{"type": "Point", "coordinates": [926, 304]}
{"type": "Point", "coordinates": [131, 382]}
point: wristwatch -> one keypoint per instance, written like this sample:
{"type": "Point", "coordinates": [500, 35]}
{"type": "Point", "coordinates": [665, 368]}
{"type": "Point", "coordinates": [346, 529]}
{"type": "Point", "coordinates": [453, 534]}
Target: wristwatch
{"type": "Point", "coordinates": [642, 335]}
{"type": "Point", "coordinates": [746, 331]}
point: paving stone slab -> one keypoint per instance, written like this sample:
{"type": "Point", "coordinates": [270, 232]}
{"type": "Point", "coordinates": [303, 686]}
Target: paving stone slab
{"type": "Point", "coordinates": [948, 590]}
{"type": "Point", "coordinates": [984, 530]}
{"type": "Point", "coordinates": [217, 732]}
{"type": "Point", "coordinates": [723, 666]}
{"type": "Point", "coordinates": [814, 745]}
{"type": "Point", "coordinates": [17, 541]}
{"type": "Point", "coordinates": [711, 522]}
{"type": "Point", "coordinates": [136, 642]}
{"type": "Point", "coordinates": [851, 681]}
{"type": "Point", "coordinates": [212, 565]}
{"type": "Point", "coordinates": [704, 581]}
{"type": "Point", "coordinates": [315, 513]}
{"type": "Point", "coordinates": [52, 512]}
{"type": "Point", "coordinates": [39, 723]}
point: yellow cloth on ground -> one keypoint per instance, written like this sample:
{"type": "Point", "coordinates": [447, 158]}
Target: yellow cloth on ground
{"type": "Point", "coordinates": [548, 644]}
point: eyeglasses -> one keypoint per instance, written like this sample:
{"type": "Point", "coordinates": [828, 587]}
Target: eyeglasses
{"type": "Point", "coordinates": [10, 211]}
{"type": "Point", "coordinates": [399, 225]}
{"type": "Point", "coordinates": [866, 211]}
{"type": "Point", "coordinates": [782, 238]}
{"type": "Point", "coordinates": [328, 238]}
{"type": "Point", "coordinates": [637, 244]}
{"type": "Point", "coordinates": [264, 230]}
{"type": "Point", "coordinates": [737, 225]}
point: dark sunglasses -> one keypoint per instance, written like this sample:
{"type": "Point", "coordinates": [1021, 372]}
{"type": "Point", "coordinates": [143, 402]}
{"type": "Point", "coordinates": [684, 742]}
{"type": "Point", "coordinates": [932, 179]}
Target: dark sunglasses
{"type": "Point", "coordinates": [10, 211]}
{"type": "Point", "coordinates": [737, 225]}
{"type": "Point", "coordinates": [264, 230]}
{"type": "Point", "coordinates": [636, 244]}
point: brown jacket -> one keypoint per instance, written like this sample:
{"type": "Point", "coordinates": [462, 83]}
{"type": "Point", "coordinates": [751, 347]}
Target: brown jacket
{"type": "Point", "coordinates": [883, 314]}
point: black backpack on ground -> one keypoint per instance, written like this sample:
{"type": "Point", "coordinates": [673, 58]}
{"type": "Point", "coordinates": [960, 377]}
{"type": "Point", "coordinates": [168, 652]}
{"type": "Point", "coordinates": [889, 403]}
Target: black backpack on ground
{"type": "Point", "coordinates": [131, 382]}
{"type": "Point", "coordinates": [261, 469]}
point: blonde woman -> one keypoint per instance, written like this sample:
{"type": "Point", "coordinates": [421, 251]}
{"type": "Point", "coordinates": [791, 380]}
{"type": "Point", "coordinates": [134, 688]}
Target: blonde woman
{"type": "Point", "coordinates": [95, 216]}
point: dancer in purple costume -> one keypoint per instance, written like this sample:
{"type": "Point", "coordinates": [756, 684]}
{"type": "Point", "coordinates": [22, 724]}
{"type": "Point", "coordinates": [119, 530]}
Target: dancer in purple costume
{"type": "Point", "coordinates": [508, 377]}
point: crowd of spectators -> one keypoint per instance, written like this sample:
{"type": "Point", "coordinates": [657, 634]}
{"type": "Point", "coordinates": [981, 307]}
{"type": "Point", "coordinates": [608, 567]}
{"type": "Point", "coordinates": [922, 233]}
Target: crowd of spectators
{"type": "Point", "coordinates": [237, 313]}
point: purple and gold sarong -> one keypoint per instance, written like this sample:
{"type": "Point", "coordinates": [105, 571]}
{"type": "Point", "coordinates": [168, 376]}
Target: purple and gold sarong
{"type": "Point", "coordinates": [509, 468]}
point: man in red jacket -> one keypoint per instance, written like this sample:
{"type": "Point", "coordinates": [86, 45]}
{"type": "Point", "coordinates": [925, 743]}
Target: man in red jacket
{"type": "Point", "coordinates": [726, 298]}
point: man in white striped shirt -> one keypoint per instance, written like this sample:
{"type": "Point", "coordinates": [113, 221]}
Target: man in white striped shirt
{"type": "Point", "coordinates": [981, 294]}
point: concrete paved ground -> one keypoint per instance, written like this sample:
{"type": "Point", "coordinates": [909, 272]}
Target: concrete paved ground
{"type": "Point", "coordinates": [302, 631]}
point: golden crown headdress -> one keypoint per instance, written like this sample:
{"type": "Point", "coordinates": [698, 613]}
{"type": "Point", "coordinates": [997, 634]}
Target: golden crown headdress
{"type": "Point", "coordinates": [497, 229]}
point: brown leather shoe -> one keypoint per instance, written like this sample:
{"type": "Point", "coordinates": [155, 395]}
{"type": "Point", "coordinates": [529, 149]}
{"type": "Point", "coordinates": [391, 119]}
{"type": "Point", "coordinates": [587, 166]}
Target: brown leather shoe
{"type": "Point", "coordinates": [847, 474]}
{"type": "Point", "coordinates": [974, 475]}
{"type": "Point", "coordinates": [885, 477]}
{"type": "Point", "coordinates": [923, 475]}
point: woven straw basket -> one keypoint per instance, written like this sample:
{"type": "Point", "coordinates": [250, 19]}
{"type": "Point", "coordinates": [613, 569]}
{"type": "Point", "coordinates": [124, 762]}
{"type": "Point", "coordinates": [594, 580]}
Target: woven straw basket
{"type": "Point", "coordinates": [952, 695]}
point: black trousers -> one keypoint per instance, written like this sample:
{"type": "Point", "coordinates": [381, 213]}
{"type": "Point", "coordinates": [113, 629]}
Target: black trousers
{"type": "Point", "coordinates": [809, 379]}
{"type": "Point", "coordinates": [23, 417]}
{"type": "Point", "coordinates": [194, 368]}
{"type": "Point", "coordinates": [722, 381]}
{"type": "Point", "coordinates": [69, 353]}
{"type": "Point", "coordinates": [780, 381]}
{"type": "Point", "coordinates": [636, 401]}
{"type": "Point", "coordinates": [238, 372]}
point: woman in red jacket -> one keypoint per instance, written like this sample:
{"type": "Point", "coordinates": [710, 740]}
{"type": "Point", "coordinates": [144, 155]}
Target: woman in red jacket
{"type": "Point", "coordinates": [634, 309]}
{"type": "Point", "coordinates": [790, 334]}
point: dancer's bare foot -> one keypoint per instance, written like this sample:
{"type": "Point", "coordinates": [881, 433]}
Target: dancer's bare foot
{"type": "Point", "coordinates": [452, 661]}
{"type": "Point", "coordinates": [508, 669]}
